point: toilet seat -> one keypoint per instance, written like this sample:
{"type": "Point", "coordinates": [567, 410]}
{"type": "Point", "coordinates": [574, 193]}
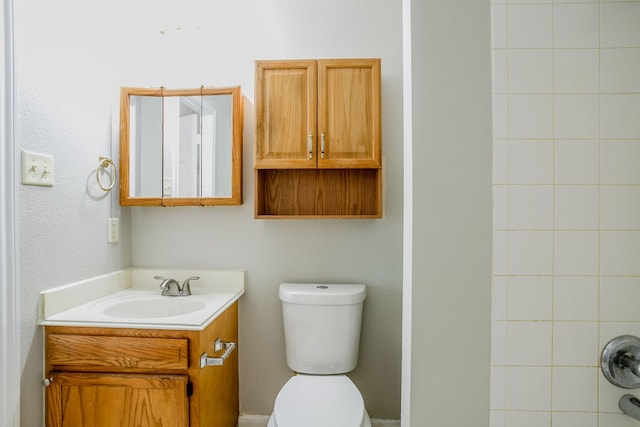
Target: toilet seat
{"type": "Point", "coordinates": [319, 401]}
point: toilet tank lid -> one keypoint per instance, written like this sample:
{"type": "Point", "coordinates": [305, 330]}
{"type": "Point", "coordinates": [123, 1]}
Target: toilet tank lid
{"type": "Point", "coordinates": [322, 293]}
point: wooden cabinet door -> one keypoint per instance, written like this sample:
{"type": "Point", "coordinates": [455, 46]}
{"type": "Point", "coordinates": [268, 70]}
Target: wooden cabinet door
{"type": "Point", "coordinates": [285, 100]}
{"type": "Point", "coordinates": [117, 400]}
{"type": "Point", "coordinates": [349, 110]}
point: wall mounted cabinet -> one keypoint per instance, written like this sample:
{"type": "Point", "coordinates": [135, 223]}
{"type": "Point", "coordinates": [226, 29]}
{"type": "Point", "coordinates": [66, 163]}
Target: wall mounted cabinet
{"type": "Point", "coordinates": [318, 139]}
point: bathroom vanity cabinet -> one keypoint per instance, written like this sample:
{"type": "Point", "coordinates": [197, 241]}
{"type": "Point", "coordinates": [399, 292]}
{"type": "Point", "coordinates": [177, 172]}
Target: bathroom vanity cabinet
{"type": "Point", "coordinates": [104, 376]}
{"type": "Point", "coordinates": [318, 139]}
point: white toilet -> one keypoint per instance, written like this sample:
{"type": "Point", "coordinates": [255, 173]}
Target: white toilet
{"type": "Point", "coordinates": [322, 337]}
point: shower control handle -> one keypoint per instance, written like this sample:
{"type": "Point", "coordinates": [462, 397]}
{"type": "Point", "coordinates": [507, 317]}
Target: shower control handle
{"type": "Point", "coordinates": [620, 361]}
{"type": "Point", "coordinates": [629, 362]}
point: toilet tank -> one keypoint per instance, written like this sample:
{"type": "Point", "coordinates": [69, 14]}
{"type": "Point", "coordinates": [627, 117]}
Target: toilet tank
{"type": "Point", "coordinates": [322, 326]}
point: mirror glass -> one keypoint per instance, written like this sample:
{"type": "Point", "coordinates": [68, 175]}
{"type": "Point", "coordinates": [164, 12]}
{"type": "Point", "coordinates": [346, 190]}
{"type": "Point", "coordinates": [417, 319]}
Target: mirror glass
{"type": "Point", "coordinates": [182, 147]}
{"type": "Point", "coordinates": [145, 154]}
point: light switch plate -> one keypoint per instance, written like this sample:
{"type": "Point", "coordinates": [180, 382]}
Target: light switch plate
{"type": "Point", "coordinates": [37, 169]}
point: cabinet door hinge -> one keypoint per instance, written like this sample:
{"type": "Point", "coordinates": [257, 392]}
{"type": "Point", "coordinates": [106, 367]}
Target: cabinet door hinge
{"type": "Point", "coordinates": [189, 389]}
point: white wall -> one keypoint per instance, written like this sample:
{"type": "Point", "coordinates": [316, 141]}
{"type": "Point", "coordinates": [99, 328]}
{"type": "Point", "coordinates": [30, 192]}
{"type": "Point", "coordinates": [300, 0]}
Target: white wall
{"type": "Point", "coordinates": [448, 260]}
{"type": "Point", "coordinates": [64, 98]}
{"type": "Point", "coordinates": [567, 207]}
{"type": "Point", "coordinates": [72, 56]}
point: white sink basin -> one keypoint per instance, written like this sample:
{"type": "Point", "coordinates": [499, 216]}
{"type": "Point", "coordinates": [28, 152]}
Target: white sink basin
{"type": "Point", "coordinates": [149, 307]}
{"type": "Point", "coordinates": [131, 298]}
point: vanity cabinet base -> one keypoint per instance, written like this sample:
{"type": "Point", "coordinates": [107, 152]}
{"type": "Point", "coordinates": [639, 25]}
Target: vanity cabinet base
{"type": "Point", "coordinates": [115, 400]}
{"type": "Point", "coordinates": [108, 377]}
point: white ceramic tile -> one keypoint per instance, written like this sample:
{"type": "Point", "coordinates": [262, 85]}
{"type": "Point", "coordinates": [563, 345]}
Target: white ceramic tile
{"type": "Point", "coordinates": [530, 26]}
{"type": "Point", "coordinates": [619, 298]}
{"type": "Point", "coordinates": [530, 207]}
{"type": "Point", "coordinates": [619, 253]}
{"type": "Point", "coordinates": [498, 343]}
{"type": "Point", "coordinates": [500, 207]}
{"type": "Point", "coordinates": [576, 70]}
{"type": "Point", "coordinates": [499, 298]}
{"type": "Point", "coordinates": [611, 330]}
{"type": "Point", "coordinates": [576, 116]}
{"type": "Point", "coordinates": [530, 252]}
{"type": "Point", "coordinates": [620, 207]}
{"type": "Point", "coordinates": [574, 419]}
{"type": "Point", "coordinates": [619, 116]}
{"type": "Point", "coordinates": [575, 344]}
{"type": "Point", "coordinates": [609, 396]}
{"type": "Point", "coordinates": [576, 207]}
{"type": "Point", "coordinates": [616, 420]}
{"type": "Point", "coordinates": [619, 70]}
{"type": "Point", "coordinates": [575, 25]}
{"type": "Point", "coordinates": [498, 26]}
{"type": "Point", "coordinates": [529, 343]}
{"type": "Point", "coordinates": [499, 70]}
{"type": "Point", "coordinates": [576, 253]}
{"type": "Point", "coordinates": [530, 161]}
{"type": "Point", "coordinates": [529, 298]}
{"type": "Point", "coordinates": [575, 298]}
{"type": "Point", "coordinates": [619, 162]}
{"type": "Point", "coordinates": [530, 70]}
{"type": "Point", "coordinates": [500, 161]}
{"type": "Point", "coordinates": [619, 25]}
{"type": "Point", "coordinates": [530, 116]}
{"type": "Point", "coordinates": [497, 393]}
{"type": "Point", "coordinates": [500, 252]}
{"type": "Point", "coordinates": [575, 389]}
{"type": "Point", "coordinates": [500, 112]}
{"type": "Point", "coordinates": [527, 419]}
{"type": "Point", "coordinates": [497, 419]}
{"type": "Point", "coordinates": [528, 388]}
{"type": "Point", "coordinates": [576, 162]}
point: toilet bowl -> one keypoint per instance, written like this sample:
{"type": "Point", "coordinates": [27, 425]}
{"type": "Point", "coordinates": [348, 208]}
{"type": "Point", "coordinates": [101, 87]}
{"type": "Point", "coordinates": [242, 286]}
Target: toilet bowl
{"type": "Point", "coordinates": [319, 401]}
{"type": "Point", "coordinates": [322, 335]}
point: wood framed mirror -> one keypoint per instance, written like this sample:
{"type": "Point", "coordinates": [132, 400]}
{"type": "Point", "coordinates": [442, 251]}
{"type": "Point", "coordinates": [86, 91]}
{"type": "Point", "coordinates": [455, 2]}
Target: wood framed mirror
{"type": "Point", "coordinates": [180, 147]}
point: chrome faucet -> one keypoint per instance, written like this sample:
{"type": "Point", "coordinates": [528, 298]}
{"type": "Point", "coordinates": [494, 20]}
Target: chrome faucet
{"type": "Point", "coordinates": [171, 287]}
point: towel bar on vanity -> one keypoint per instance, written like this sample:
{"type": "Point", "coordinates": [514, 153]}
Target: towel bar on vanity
{"type": "Point", "coordinates": [228, 347]}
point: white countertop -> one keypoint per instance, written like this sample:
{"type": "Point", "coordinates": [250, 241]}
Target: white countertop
{"type": "Point", "coordinates": [84, 303]}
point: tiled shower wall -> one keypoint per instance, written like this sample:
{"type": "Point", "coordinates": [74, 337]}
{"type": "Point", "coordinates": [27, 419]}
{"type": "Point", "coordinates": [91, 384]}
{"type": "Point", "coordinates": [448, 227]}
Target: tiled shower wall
{"type": "Point", "coordinates": [566, 207]}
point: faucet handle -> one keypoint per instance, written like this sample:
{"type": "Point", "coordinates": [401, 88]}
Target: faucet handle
{"type": "Point", "coordinates": [164, 284]}
{"type": "Point", "coordinates": [186, 288]}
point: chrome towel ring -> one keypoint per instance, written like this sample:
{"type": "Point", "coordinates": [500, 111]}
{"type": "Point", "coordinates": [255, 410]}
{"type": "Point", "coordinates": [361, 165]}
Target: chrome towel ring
{"type": "Point", "coordinates": [103, 166]}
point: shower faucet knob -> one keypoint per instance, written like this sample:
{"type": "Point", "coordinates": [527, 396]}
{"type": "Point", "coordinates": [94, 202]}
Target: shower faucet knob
{"type": "Point", "coordinates": [620, 361]}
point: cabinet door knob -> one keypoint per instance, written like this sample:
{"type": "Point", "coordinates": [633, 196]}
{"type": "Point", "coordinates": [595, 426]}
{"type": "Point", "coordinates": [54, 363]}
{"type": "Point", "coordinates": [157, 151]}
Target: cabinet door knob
{"type": "Point", "coordinates": [322, 145]}
{"type": "Point", "coordinates": [310, 145]}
